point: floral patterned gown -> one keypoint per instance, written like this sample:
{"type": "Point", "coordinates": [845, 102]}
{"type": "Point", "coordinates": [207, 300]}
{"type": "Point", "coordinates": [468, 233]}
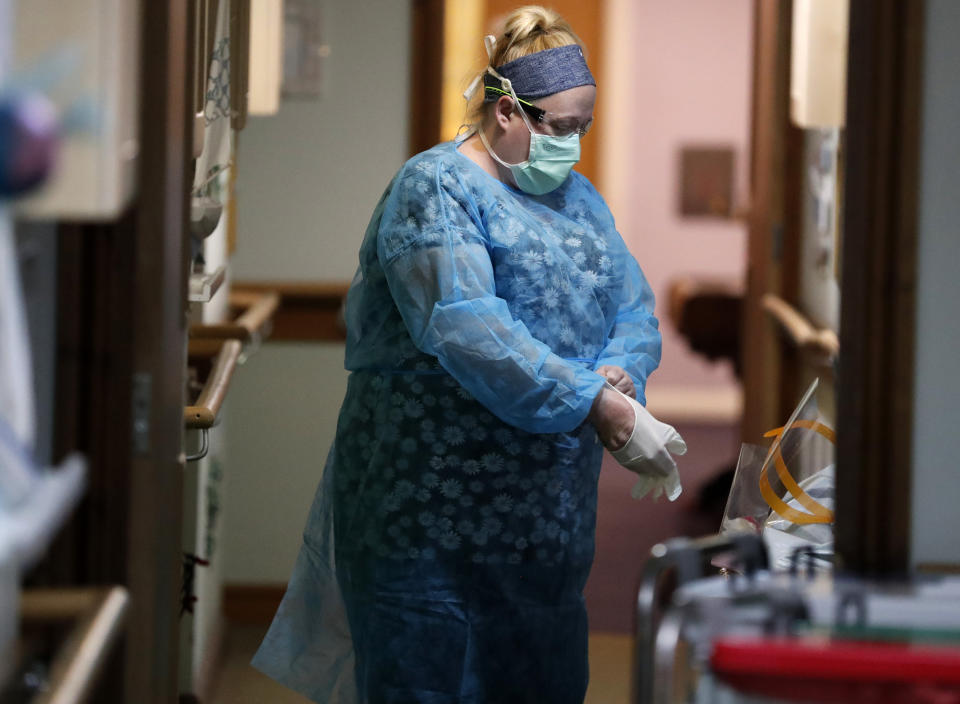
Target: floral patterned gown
{"type": "Point", "coordinates": [450, 539]}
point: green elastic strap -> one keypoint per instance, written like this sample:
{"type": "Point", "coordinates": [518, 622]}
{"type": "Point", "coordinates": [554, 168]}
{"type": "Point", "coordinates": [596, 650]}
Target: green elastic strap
{"type": "Point", "coordinates": [538, 112]}
{"type": "Point", "coordinates": [503, 92]}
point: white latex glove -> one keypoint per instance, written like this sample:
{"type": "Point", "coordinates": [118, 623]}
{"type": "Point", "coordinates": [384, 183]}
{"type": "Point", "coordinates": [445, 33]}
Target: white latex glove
{"type": "Point", "coordinates": [668, 486]}
{"type": "Point", "coordinates": [647, 453]}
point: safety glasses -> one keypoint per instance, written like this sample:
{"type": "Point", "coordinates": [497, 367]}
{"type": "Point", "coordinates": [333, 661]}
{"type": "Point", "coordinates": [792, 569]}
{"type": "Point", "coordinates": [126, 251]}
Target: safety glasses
{"type": "Point", "coordinates": [557, 126]}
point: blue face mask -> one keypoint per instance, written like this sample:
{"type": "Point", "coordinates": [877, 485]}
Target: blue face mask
{"type": "Point", "coordinates": [549, 161]}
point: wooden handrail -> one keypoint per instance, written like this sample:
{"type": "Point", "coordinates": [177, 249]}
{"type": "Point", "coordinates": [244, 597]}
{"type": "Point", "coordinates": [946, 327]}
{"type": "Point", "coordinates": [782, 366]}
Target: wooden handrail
{"type": "Point", "coordinates": [99, 614]}
{"type": "Point", "coordinates": [254, 322]}
{"type": "Point", "coordinates": [259, 312]}
{"type": "Point", "coordinates": [309, 311]}
{"type": "Point", "coordinates": [203, 414]}
{"type": "Point", "coordinates": [799, 330]}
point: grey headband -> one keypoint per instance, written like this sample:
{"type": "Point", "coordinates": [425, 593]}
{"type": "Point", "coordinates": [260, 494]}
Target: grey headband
{"type": "Point", "coordinates": [541, 74]}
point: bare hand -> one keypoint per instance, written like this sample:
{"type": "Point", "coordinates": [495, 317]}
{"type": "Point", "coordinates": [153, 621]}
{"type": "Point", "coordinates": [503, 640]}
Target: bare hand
{"type": "Point", "coordinates": [613, 417]}
{"type": "Point", "coordinates": [618, 378]}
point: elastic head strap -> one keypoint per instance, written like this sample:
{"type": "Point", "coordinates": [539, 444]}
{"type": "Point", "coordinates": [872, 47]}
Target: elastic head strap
{"type": "Point", "coordinates": [490, 44]}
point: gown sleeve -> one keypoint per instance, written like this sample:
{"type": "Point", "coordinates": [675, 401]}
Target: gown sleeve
{"type": "Point", "coordinates": [433, 250]}
{"type": "Point", "coordinates": [634, 343]}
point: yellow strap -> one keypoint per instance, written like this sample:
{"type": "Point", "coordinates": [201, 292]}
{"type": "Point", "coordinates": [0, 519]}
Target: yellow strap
{"type": "Point", "coordinates": [787, 479]}
{"type": "Point", "coordinates": [818, 512]}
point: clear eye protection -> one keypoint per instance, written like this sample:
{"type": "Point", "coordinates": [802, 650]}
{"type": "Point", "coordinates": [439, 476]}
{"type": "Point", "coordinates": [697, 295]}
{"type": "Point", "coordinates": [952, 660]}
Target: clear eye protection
{"type": "Point", "coordinates": [556, 125]}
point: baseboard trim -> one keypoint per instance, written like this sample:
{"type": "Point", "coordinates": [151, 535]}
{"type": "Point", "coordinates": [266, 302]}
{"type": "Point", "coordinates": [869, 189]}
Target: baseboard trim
{"type": "Point", "coordinates": [251, 603]}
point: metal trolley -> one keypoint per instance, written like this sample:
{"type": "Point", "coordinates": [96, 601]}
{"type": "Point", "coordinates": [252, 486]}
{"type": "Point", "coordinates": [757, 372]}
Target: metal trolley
{"type": "Point", "coordinates": [751, 635]}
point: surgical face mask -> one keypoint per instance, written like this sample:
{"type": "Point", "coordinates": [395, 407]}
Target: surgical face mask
{"type": "Point", "coordinates": [550, 158]}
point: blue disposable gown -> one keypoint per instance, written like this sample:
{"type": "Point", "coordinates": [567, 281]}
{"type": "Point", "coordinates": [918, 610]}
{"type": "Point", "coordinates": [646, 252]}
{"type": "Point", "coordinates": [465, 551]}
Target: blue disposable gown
{"type": "Point", "coordinates": [449, 542]}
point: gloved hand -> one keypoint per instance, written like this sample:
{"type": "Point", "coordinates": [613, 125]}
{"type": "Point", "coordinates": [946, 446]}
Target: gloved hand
{"type": "Point", "coordinates": [647, 453]}
{"type": "Point", "coordinates": [618, 378]}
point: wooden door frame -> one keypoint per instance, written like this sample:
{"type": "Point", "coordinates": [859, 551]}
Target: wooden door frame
{"type": "Point", "coordinates": [121, 366]}
{"type": "Point", "coordinates": [878, 293]}
{"type": "Point", "coordinates": [159, 353]}
{"type": "Point", "coordinates": [768, 269]}
{"type": "Point", "coordinates": [425, 74]}
{"type": "Point", "coordinates": [875, 382]}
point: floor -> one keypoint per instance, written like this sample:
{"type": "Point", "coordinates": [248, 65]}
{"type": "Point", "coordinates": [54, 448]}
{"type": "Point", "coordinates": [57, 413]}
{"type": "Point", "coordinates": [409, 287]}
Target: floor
{"type": "Point", "coordinates": [241, 684]}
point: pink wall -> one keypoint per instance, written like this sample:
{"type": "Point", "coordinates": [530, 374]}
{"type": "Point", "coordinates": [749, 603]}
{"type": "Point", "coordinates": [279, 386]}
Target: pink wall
{"type": "Point", "coordinates": [677, 73]}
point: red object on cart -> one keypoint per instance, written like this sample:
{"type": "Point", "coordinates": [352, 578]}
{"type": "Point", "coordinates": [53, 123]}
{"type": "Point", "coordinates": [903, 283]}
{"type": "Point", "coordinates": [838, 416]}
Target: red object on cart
{"type": "Point", "coordinates": [826, 671]}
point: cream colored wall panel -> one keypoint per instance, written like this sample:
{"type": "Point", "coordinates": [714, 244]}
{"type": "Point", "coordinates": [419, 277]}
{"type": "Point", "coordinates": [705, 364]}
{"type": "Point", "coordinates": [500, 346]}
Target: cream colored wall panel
{"type": "Point", "coordinates": [266, 56]}
{"type": "Point", "coordinates": [96, 42]}
{"type": "Point", "coordinates": [818, 65]}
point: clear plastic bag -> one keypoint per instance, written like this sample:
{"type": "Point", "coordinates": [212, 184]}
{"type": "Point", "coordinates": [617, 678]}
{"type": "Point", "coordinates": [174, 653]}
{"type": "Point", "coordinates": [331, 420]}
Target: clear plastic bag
{"type": "Point", "coordinates": [746, 511]}
{"type": "Point", "coordinates": [786, 492]}
{"type": "Point", "coordinates": [783, 537]}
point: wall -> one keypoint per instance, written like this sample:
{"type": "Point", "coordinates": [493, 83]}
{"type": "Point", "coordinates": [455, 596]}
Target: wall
{"type": "Point", "coordinates": [678, 73]}
{"type": "Point", "coordinates": [283, 411]}
{"type": "Point", "coordinates": [309, 178]}
{"type": "Point", "coordinates": [936, 492]}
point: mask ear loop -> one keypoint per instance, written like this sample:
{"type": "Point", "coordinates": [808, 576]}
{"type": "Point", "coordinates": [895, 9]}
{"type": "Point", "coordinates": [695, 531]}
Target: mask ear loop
{"type": "Point", "coordinates": [490, 43]}
{"type": "Point", "coordinates": [507, 87]}
{"type": "Point", "coordinates": [505, 83]}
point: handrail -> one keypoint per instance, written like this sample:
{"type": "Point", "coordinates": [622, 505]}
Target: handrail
{"type": "Point", "coordinates": [260, 311]}
{"type": "Point", "coordinates": [99, 615]}
{"type": "Point", "coordinates": [309, 311]}
{"type": "Point", "coordinates": [203, 414]}
{"type": "Point", "coordinates": [203, 286]}
{"type": "Point", "coordinates": [250, 325]}
{"type": "Point", "coordinates": [799, 330]}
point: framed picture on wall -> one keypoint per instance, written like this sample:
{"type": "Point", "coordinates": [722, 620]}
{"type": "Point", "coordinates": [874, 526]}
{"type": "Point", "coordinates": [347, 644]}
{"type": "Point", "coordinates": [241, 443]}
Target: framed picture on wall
{"type": "Point", "coordinates": [706, 181]}
{"type": "Point", "coordinates": [303, 49]}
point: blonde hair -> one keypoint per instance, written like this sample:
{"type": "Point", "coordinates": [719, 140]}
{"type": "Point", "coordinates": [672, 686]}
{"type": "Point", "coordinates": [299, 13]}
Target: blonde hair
{"type": "Point", "coordinates": [526, 31]}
